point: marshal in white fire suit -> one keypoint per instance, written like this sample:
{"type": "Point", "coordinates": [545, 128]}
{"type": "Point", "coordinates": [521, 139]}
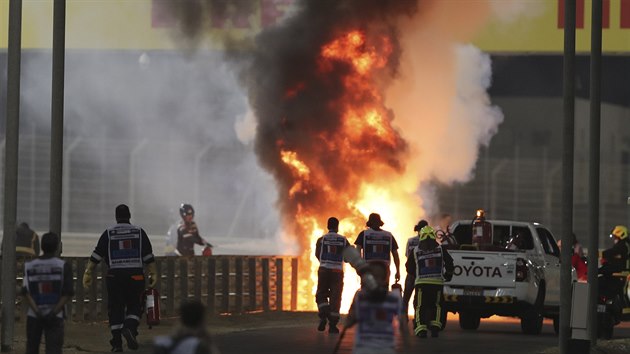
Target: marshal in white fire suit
{"type": "Point", "coordinates": [329, 251]}
{"type": "Point", "coordinates": [378, 245]}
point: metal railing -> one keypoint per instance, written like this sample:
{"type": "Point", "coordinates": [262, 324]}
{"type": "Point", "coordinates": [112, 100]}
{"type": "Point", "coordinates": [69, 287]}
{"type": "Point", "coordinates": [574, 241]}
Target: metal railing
{"type": "Point", "coordinates": [225, 284]}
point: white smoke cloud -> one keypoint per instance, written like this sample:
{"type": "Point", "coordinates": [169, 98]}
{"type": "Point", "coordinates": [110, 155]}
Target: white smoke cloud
{"type": "Point", "coordinates": [440, 100]}
{"type": "Point", "coordinates": [474, 119]}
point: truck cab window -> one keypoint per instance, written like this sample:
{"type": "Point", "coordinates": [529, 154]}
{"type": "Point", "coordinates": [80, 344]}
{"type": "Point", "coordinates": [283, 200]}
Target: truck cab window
{"type": "Point", "coordinates": [548, 242]}
{"type": "Point", "coordinates": [463, 234]}
{"type": "Point", "coordinates": [524, 237]}
{"type": "Point", "coordinates": [500, 235]}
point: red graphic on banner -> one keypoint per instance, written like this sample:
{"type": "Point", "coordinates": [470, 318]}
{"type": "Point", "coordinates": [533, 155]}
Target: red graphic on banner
{"type": "Point", "coordinates": [624, 20]}
{"type": "Point", "coordinates": [579, 13]}
{"type": "Point", "coordinates": [605, 13]}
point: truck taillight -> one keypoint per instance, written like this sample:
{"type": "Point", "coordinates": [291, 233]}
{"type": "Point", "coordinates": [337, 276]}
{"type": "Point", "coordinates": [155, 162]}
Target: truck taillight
{"type": "Point", "coordinates": [521, 270]}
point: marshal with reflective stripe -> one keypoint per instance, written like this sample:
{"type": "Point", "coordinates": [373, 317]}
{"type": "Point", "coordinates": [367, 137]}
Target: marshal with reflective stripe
{"type": "Point", "coordinates": [125, 246]}
{"type": "Point", "coordinates": [331, 253]}
{"type": "Point", "coordinates": [377, 245]}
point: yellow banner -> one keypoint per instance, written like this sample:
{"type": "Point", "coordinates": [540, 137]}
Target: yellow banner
{"type": "Point", "coordinates": [539, 29]}
{"type": "Point", "coordinates": [148, 24]}
{"type": "Point", "coordinates": [134, 24]}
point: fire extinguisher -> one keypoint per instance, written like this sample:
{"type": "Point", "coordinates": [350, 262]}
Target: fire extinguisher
{"type": "Point", "coordinates": [152, 306]}
{"type": "Point", "coordinates": [481, 229]}
{"type": "Point", "coordinates": [398, 288]}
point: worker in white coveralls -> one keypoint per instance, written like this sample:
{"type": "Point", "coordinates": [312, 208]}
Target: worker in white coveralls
{"type": "Point", "coordinates": [329, 251]}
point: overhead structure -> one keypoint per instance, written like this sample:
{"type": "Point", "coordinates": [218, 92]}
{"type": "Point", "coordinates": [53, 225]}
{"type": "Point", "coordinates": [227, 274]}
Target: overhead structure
{"type": "Point", "coordinates": [594, 164]}
{"type": "Point", "coordinates": [567, 175]}
{"type": "Point", "coordinates": [14, 51]}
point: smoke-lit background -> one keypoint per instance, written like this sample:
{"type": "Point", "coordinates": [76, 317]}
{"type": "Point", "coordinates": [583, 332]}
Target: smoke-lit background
{"type": "Point", "coordinates": [150, 130]}
{"type": "Point", "coordinates": [155, 128]}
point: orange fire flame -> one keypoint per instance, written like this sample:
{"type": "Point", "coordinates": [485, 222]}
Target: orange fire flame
{"type": "Point", "coordinates": [365, 140]}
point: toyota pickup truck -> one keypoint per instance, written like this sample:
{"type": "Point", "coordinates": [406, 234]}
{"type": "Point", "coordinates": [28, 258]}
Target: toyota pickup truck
{"type": "Point", "coordinates": [517, 274]}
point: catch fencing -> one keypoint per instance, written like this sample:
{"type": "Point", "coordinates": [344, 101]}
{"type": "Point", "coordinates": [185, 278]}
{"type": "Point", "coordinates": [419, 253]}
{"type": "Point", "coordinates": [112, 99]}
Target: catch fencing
{"type": "Point", "coordinates": [225, 284]}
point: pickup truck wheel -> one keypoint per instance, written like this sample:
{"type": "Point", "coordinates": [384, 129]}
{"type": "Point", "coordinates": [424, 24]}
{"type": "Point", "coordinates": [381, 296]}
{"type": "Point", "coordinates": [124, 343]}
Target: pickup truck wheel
{"type": "Point", "coordinates": [532, 323]}
{"type": "Point", "coordinates": [605, 326]}
{"type": "Point", "coordinates": [556, 324]}
{"type": "Point", "coordinates": [469, 320]}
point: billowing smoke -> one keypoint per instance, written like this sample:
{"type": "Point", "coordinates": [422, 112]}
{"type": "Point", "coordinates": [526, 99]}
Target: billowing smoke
{"type": "Point", "coordinates": [364, 106]}
{"type": "Point", "coordinates": [301, 100]}
{"type": "Point", "coordinates": [440, 96]}
{"type": "Point", "coordinates": [318, 108]}
{"type": "Point", "coordinates": [431, 94]}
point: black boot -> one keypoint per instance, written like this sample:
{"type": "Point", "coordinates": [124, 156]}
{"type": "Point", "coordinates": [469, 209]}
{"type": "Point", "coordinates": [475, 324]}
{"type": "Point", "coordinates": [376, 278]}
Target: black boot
{"type": "Point", "coordinates": [130, 337]}
{"type": "Point", "coordinates": [323, 315]}
{"type": "Point", "coordinates": [435, 332]}
{"type": "Point", "coordinates": [130, 332]}
{"type": "Point", "coordinates": [116, 344]}
{"type": "Point", "coordinates": [116, 341]}
{"type": "Point", "coordinates": [332, 327]}
{"type": "Point", "coordinates": [322, 324]}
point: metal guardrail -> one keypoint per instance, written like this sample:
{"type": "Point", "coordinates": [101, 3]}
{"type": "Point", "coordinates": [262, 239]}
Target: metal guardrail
{"type": "Point", "coordinates": [225, 284]}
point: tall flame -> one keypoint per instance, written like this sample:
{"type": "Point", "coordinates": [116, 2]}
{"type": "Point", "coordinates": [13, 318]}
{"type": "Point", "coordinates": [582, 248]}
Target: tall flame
{"type": "Point", "coordinates": [355, 170]}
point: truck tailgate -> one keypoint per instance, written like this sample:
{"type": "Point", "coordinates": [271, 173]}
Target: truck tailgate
{"type": "Point", "coordinates": [483, 269]}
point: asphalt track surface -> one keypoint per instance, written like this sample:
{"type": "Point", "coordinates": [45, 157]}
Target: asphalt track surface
{"type": "Point", "coordinates": [495, 335]}
{"type": "Point", "coordinates": [295, 332]}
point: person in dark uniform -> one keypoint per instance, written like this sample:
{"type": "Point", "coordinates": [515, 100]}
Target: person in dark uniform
{"type": "Point", "coordinates": [26, 241]}
{"type": "Point", "coordinates": [432, 265]}
{"type": "Point", "coordinates": [615, 260]}
{"type": "Point", "coordinates": [410, 279]}
{"type": "Point", "coordinates": [188, 233]}
{"type": "Point", "coordinates": [378, 245]}
{"type": "Point", "coordinates": [47, 287]}
{"type": "Point", "coordinates": [125, 249]}
{"type": "Point", "coordinates": [329, 251]}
